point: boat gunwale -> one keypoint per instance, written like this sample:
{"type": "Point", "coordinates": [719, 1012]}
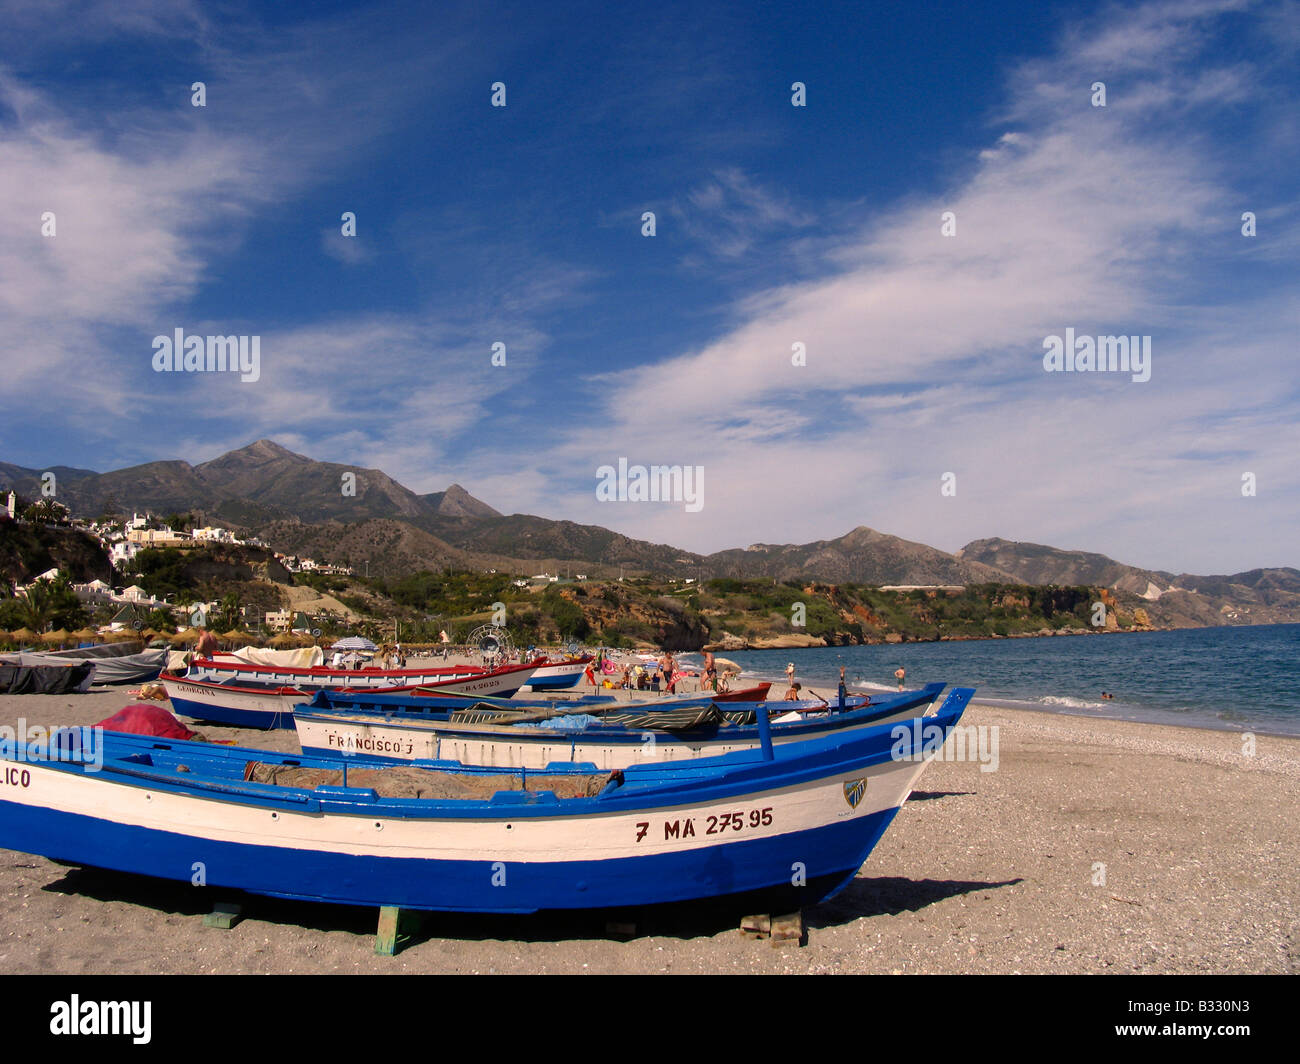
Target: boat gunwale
{"type": "Point", "coordinates": [655, 786]}
{"type": "Point", "coordinates": [624, 734]}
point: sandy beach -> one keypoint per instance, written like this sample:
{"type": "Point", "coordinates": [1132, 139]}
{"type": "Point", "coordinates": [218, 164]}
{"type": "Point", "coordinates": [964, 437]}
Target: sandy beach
{"type": "Point", "coordinates": [1095, 846]}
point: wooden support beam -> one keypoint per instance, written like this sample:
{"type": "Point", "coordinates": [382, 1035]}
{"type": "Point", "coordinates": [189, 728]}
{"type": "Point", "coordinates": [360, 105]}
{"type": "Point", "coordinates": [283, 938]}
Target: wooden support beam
{"type": "Point", "coordinates": [224, 915]}
{"type": "Point", "coordinates": [397, 926]}
{"type": "Point", "coordinates": [788, 930]}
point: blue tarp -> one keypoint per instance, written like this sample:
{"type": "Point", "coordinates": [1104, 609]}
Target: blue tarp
{"type": "Point", "coordinates": [568, 722]}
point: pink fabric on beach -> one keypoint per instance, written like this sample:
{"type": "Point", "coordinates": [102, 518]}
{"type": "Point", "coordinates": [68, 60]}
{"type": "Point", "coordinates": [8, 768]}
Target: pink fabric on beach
{"type": "Point", "coordinates": [140, 718]}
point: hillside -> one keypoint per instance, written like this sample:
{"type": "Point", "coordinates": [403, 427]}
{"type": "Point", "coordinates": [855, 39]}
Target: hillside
{"type": "Point", "coordinates": [304, 507]}
{"type": "Point", "coordinates": [862, 556]}
{"type": "Point", "coordinates": [1260, 596]}
{"type": "Point", "coordinates": [27, 550]}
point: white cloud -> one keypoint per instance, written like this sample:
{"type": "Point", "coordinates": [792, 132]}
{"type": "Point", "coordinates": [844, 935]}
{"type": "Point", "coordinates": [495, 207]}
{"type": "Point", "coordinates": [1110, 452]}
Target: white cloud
{"type": "Point", "coordinates": [924, 354]}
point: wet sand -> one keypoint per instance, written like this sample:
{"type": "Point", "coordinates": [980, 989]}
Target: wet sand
{"type": "Point", "coordinates": [998, 872]}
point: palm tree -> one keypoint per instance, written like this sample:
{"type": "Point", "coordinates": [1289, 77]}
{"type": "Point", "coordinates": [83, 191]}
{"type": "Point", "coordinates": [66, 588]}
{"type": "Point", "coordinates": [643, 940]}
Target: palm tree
{"type": "Point", "coordinates": [230, 611]}
{"type": "Point", "coordinates": [46, 512]}
{"type": "Point", "coordinates": [36, 606]}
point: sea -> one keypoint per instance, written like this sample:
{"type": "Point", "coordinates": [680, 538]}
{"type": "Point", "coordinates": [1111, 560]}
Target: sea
{"type": "Point", "coordinates": [1239, 678]}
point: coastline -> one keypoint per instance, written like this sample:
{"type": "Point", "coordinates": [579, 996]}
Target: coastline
{"type": "Point", "coordinates": [807, 642]}
{"type": "Point", "coordinates": [982, 871]}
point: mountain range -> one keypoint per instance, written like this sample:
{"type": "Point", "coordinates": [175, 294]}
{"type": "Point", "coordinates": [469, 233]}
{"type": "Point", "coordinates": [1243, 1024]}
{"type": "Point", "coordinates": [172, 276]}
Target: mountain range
{"type": "Point", "coordinates": [344, 514]}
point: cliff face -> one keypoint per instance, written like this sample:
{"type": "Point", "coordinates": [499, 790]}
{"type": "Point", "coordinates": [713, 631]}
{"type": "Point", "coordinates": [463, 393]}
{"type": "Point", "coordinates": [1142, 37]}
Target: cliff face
{"type": "Point", "coordinates": [27, 550]}
{"type": "Point", "coordinates": [1260, 596]}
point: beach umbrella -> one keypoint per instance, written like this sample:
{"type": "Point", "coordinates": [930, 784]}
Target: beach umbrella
{"type": "Point", "coordinates": [283, 641]}
{"type": "Point", "coordinates": [190, 635]}
{"type": "Point", "coordinates": [85, 635]}
{"type": "Point", "coordinates": [725, 665]}
{"type": "Point", "coordinates": [237, 637]}
{"type": "Point", "coordinates": [24, 635]}
{"type": "Point", "coordinates": [60, 637]}
{"type": "Point", "coordinates": [355, 642]}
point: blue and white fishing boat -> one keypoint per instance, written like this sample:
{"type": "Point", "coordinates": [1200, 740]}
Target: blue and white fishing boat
{"type": "Point", "coordinates": [403, 728]}
{"type": "Point", "coordinates": [559, 675]}
{"type": "Point", "coordinates": [795, 820]}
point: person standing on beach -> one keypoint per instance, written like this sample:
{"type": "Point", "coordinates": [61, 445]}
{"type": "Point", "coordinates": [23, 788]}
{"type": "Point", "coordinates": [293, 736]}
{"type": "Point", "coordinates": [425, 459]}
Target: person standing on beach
{"type": "Point", "coordinates": [899, 674]}
{"type": "Point", "coordinates": [710, 672]}
{"type": "Point", "coordinates": [667, 666]}
{"type": "Point", "coordinates": [207, 644]}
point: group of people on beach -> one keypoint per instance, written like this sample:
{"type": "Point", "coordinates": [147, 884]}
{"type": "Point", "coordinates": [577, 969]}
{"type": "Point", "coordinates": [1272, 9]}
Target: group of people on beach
{"type": "Point", "coordinates": [792, 693]}
{"type": "Point", "coordinates": [665, 674]}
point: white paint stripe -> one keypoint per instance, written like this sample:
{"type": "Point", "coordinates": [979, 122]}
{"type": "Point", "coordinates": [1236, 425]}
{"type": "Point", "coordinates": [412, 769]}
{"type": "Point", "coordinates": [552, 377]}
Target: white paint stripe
{"type": "Point", "coordinates": [502, 746]}
{"type": "Point", "coordinates": [584, 837]}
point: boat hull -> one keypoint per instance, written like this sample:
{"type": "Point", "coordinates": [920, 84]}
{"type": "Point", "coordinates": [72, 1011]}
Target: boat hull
{"type": "Point", "coordinates": [324, 678]}
{"type": "Point", "coordinates": [801, 823]}
{"type": "Point", "coordinates": [560, 676]}
{"type": "Point", "coordinates": [239, 707]}
{"type": "Point", "coordinates": [270, 708]}
{"type": "Point", "coordinates": [324, 733]}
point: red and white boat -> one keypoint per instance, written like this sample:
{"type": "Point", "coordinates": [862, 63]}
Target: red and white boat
{"type": "Point", "coordinates": [229, 669]}
{"type": "Point", "coordinates": [258, 703]}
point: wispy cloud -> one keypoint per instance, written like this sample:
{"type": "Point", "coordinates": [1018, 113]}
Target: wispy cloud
{"type": "Point", "coordinates": [924, 351]}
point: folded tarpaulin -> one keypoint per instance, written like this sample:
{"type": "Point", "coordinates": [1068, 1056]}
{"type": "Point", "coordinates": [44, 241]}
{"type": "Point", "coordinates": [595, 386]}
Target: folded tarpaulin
{"type": "Point", "coordinates": [119, 669]}
{"type": "Point", "coordinates": [44, 679]}
{"type": "Point", "coordinates": [301, 658]}
{"type": "Point", "coordinates": [140, 718]}
{"type": "Point", "coordinates": [567, 722]}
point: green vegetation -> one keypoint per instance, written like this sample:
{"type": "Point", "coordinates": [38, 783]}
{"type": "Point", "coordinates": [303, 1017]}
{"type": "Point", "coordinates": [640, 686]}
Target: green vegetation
{"type": "Point", "coordinates": [632, 612]}
{"type": "Point", "coordinates": [47, 605]}
{"type": "Point", "coordinates": [162, 572]}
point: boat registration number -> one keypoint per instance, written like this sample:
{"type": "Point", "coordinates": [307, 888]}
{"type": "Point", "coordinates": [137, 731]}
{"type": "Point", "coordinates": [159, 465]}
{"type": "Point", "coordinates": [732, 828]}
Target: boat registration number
{"type": "Point", "coordinates": [687, 828]}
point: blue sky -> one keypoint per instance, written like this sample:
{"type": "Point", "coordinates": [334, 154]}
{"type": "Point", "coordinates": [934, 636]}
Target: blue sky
{"type": "Point", "coordinates": [775, 225]}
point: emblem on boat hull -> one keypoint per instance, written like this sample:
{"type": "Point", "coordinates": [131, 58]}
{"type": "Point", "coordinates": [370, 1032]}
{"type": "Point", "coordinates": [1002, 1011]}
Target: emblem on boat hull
{"type": "Point", "coordinates": [854, 790]}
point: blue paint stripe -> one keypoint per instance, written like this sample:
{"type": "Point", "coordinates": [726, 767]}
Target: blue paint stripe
{"type": "Point", "coordinates": [239, 718]}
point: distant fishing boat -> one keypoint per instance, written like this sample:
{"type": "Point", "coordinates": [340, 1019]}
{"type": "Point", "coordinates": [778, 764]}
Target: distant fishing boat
{"type": "Point", "coordinates": [403, 728]}
{"type": "Point", "coordinates": [229, 669]}
{"type": "Point", "coordinates": [444, 836]}
{"type": "Point", "coordinates": [268, 705]}
{"type": "Point", "coordinates": [559, 675]}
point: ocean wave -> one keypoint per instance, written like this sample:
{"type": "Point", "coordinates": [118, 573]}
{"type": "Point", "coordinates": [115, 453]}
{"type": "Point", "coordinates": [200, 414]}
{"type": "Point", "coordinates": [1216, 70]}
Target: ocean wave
{"type": "Point", "coordinates": [1072, 703]}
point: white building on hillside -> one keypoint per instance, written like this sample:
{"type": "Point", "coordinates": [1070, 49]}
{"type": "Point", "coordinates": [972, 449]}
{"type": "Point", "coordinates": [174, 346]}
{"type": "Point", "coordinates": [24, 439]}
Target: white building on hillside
{"type": "Point", "coordinates": [156, 537]}
{"type": "Point", "coordinates": [215, 535]}
{"type": "Point", "coordinates": [122, 552]}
